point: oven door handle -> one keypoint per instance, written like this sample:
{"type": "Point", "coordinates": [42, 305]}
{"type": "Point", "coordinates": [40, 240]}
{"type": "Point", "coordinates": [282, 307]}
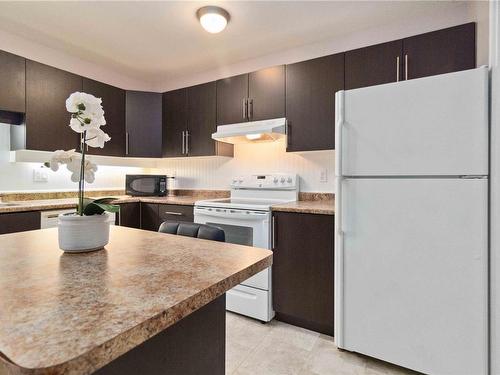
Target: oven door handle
{"type": "Point", "coordinates": [230, 214]}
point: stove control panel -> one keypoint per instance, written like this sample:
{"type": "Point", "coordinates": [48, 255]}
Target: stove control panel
{"type": "Point", "coordinates": [280, 181]}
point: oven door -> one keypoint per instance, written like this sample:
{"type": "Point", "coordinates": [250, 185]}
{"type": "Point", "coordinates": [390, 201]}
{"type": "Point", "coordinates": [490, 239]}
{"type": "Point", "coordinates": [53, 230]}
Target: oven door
{"type": "Point", "coordinates": [243, 227]}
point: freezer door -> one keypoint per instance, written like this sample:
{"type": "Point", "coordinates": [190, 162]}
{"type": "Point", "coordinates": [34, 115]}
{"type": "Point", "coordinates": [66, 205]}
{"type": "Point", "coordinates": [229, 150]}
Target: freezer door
{"type": "Point", "coordinates": [435, 126]}
{"type": "Point", "coordinates": [412, 273]}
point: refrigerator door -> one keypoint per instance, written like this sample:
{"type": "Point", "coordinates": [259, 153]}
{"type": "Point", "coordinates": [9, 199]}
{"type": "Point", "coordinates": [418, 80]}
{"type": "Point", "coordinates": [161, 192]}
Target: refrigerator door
{"type": "Point", "coordinates": [432, 126]}
{"type": "Point", "coordinates": [411, 276]}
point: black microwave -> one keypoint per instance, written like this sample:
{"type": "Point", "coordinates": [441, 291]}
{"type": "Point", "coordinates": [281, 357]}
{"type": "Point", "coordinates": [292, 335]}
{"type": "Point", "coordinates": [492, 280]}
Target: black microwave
{"type": "Point", "coordinates": [146, 185]}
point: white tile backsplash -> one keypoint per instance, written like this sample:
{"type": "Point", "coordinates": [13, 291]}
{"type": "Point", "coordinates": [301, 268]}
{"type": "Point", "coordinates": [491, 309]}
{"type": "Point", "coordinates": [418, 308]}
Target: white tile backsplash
{"type": "Point", "coordinates": [216, 172]}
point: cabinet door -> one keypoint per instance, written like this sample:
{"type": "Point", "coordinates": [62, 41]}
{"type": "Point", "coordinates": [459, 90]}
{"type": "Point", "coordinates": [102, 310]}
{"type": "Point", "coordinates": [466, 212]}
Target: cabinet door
{"type": "Point", "coordinates": [113, 103]}
{"type": "Point", "coordinates": [310, 102]}
{"type": "Point", "coordinates": [47, 121]}
{"type": "Point", "coordinates": [13, 79]}
{"type": "Point", "coordinates": [173, 212]}
{"type": "Point", "coordinates": [374, 65]}
{"type": "Point", "coordinates": [303, 270]}
{"type": "Point", "coordinates": [149, 216]}
{"type": "Point", "coordinates": [439, 52]}
{"type": "Point", "coordinates": [19, 222]}
{"type": "Point", "coordinates": [129, 215]}
{"type": "Point", "coordinates": [266, 93]}
{"type": "Point", "coordinates": [232, 93]}
{"type": "Point", "coordinates": [201, 119]}
{"type": "Point", "coordinates": [174, 122]}
{"type": "Point", "coordinates": [144, 124]}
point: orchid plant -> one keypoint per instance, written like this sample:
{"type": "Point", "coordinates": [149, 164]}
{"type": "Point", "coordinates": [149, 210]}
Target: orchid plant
{"type": "Point", "coordinates": [87, 117]}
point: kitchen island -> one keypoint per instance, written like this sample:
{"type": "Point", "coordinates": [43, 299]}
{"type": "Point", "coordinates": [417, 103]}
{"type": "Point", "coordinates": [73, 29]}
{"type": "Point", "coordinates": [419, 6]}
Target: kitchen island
{"type": "Point", "coordinates": [148, 303]}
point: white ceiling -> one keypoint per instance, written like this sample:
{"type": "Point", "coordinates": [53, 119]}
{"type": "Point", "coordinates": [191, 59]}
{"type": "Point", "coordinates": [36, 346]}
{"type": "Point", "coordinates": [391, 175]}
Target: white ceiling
{"type": "Point", "coordinates": [152, 41]}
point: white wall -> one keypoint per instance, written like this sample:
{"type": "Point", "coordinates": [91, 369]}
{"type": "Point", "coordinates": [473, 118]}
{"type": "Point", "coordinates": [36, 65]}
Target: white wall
{"type": "Point", "coordinates": [473, 11]}
{"type": "Point", "coordinates": [495, 187]}
{"type": "Point", "coordinates": [216, 173]}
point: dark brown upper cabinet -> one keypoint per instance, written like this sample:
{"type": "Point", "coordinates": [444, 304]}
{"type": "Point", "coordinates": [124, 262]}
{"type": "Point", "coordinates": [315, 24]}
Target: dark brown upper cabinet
{"type": "Point", "coordinates": [12, 87]}
{"type": "Point", "coordinates": [438, 52]}
{"type": "Point", "coordinates": [254, 96]}
{"type": "Point", "coordinates": [266, 93]}
{"type": "Point", "coordinates": [189, 117]}
{"type": "Point", "coordinates": [143, 118]}
{"type": "Point", "coordinates": [174, 122]}
{"type": "Point", "coordinates": [47, 120]}
{"type": "Point", "coordinates": [201, 119]}
{"type": "Point", "coordinates": [374, 65]}
{"type": "Point", "coordinates": [113, 103]}
{"type": "Point", "coordinates": [232, 95]}
{"type": "Point", "coordinates": [310, 102]}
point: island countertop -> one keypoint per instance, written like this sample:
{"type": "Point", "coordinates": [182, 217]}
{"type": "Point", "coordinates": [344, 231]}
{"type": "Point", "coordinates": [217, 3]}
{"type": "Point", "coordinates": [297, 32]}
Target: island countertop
{"type": "Point", "coordinates": [74, 313]}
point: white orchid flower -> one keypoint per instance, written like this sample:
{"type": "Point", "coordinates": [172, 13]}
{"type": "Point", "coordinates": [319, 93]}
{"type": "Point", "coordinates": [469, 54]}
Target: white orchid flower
{"type": "Point", "coordinates": [96, 137]}
{"type": "Point", "coordinates": [75, 165]}
{"type": "Point", "coordinates": [61, 157]}
{"type": "Point", "coordinates": [86, 110]}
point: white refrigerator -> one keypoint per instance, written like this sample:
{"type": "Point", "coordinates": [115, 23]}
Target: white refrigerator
{"type": "Point", "coordinates": [411, 231]}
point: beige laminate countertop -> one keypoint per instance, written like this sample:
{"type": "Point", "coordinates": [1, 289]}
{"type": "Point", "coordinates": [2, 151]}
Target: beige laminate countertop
{"type": "Point", "coordinates": [74, 313]}
{"type": "Point", "coordinates": [56, 204]}
{"type": "Point", "coordinates": [322, 207]}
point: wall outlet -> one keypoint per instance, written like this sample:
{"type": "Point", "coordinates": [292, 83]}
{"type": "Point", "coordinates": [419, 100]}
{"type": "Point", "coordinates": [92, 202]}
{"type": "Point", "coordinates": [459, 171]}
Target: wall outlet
{"type": "Point", "coordinates": [40, 175]}
{"type": "Point", "coordinates": [323, 175]}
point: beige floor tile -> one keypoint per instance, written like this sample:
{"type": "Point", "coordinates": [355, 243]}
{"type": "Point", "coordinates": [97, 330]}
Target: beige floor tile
{"type": "Point", "coordinates": [276, 348]}
{"type": "Point", "coordinates": [326, 359]}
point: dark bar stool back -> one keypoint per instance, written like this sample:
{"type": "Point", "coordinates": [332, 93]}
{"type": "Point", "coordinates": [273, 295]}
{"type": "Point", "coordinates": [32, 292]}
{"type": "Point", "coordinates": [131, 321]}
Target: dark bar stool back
{"type": "Point", "coordinates": [203, 231]}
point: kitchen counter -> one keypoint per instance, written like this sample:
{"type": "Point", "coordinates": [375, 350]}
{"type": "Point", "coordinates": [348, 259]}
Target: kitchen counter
{"type": "Point", "coordinates": [75, 313]}
{"type": "Point", "coordinates": [57, 204]}
{"type": "Point", "coordinates": [322, 207]}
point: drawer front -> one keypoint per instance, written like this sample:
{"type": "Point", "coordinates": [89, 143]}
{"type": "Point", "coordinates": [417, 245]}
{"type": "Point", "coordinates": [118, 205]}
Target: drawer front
{"type": "Point", "coordinates": [251, 302]}
{"type": "Point", "coordinates": [19, 221]}
{"type": "Point", "coordinates": [172, 212]}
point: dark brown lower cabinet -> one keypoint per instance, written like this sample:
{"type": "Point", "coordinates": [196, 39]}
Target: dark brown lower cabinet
{"type": "Point", "coordinates": [153, 214]}
{"type": "Point", "coordinates": [129, 215]}
{"type": "Point", "coordinates": [172, 212]}
{"type": "Point", "coordinates": [303, 269]}
{"type": "Point", "coordinates": [149, 216]}
{"type": "Point", "coordinates": [194, 345]}
{"type": "Point", "coordinates": [19, 221]}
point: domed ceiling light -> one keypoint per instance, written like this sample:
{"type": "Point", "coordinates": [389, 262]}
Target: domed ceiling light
{"type": "Point", "coordinates": [213, 19]}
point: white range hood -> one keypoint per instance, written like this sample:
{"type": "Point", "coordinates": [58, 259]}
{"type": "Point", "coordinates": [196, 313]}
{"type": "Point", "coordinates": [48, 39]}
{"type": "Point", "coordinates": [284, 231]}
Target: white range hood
{"type": "Point", "coordinates": [252, 132]}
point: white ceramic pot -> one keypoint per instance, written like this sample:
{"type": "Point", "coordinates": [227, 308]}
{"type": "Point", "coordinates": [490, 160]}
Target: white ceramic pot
{"type": "Point", "coordinates": [79, 234]}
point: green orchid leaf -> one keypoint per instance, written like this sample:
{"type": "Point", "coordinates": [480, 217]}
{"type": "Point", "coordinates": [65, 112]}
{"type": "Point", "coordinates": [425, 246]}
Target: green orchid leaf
{"type": "Point", "coordinates": [98, 206]}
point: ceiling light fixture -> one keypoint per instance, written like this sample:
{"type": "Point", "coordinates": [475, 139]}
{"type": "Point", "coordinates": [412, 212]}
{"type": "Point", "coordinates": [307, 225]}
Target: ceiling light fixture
{"type": "Point", "coordinates": [213, 19]}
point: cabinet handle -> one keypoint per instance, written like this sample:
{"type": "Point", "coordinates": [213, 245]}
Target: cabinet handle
{"type": "Point", "coordinates": [244, 107]}
{"type": "Point", "coordinates": [250, 114]}
{"type": "Point", "coordinates": [126, 143]}
{"type": "Point", "coordinates": [173, 213]}
{"type": "Point", "coordinates": [406, 67]}
{"type": "Point", "coordinates": [288, 133]}
{"type": "Point", "coordinates": [397, 69]}
{"type": "Point", "coordinates": [182, 144]}
{"type": "Point", "coordinates": [187, 142]}
{"type": "Point", "coordinates": [273, 233]}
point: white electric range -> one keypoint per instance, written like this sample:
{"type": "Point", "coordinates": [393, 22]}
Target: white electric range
{"type": "Point", "coordinates": [247, 220]}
